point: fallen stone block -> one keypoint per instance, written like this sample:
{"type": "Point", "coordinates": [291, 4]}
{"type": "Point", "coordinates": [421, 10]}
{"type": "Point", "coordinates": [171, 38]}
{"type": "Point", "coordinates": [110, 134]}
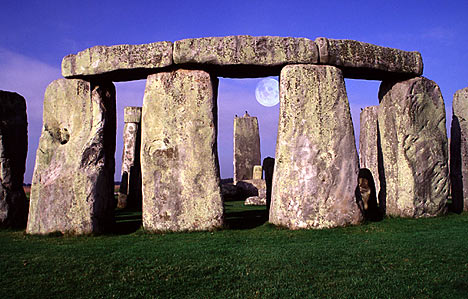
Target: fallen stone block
{"type": "Point", "coordinates": [255, 201]}
{"type": "Point", "coordinates": [179, 159]}
{"type": "Point", "coordinates": [413, 136]}
{"type": "Point", "coordinates": [367, 61]}
{"type": "Point", "coordinates": [243, 55]}
{"type": "Point", "coordinates": [73, 183]}
{"type": "Point", "coordinates": [119, 62]}
{"type": "Point", "coordinates": [13, 151]}
{"type": "Point", "coordinates": [316, 166]}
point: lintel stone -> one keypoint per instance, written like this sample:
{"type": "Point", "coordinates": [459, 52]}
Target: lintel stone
{"type": "Point", "coordinates": [243, 55]}
{"type": "Point", "coordinates": [367, 61]}
{"type": "Point", "coordinates": [119, 62]}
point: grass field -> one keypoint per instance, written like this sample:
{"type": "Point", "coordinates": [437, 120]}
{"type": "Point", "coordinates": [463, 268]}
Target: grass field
{"type": "Point", "coordinates": [395, 258]}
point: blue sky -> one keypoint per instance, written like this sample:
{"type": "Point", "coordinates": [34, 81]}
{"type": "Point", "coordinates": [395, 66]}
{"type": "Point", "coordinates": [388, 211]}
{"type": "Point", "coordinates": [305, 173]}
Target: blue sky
{"type": "Point", "coordinates": [36, 35]}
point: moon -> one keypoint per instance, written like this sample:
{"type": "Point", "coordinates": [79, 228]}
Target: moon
{"type": "Point", "coordinates": [267, 92]}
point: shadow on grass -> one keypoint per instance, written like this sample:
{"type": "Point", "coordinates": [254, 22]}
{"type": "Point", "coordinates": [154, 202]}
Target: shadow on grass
{"type": "Point", "coordinates": [245, 219]}
{"type": "Point", "coordinates": [127, 221]}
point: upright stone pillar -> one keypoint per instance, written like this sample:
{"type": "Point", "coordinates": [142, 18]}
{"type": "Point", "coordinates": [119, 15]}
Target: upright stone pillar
{"type": "Point", "coordinates": [13, 151]}
{"type": "Point", "coordinates": [316, 167]}
{"type": "Point", "coordinates": [369, 143]}
{"type": "Point", "coordinates": [459, 151]}
{"type": "Point", "coordinates": [73, 184]}
{"type": "Point", "coordinates": [246, 147]}
{"type": "Point", "coordinates": [130, 184]}
{"type": "Point", "coordinates": [179, 159]}
{"type": "Point", "coordinates": [414, 147]}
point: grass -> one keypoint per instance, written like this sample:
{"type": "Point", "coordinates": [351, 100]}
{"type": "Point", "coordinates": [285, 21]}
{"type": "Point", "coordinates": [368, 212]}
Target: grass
{"type": "Point", "coordinates": [395, 258]}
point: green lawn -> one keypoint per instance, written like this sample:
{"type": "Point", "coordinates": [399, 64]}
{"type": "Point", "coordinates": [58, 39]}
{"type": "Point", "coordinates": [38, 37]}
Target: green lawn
{"type": "Point", "coordinates": [395, 258]}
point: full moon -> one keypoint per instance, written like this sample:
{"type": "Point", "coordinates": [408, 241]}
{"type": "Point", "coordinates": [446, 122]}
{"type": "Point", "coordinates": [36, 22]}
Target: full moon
{"type": "Point", "coordinates": [267, 92]}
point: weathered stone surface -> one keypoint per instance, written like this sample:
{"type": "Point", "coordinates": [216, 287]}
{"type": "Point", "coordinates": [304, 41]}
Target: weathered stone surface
{"type": "Point", "coordinates": [73, 184]}
{"type": "Point", "coordinates": [316, 167]}
{"type": "Point", "coordinates": [413, 136]}
{"type": "Point", "coordinates": [257, 172]}
{"type": "Point", "coordinates": [459, 151]}
{"type": "Point", "coordinates": [254, 187]}
{"type": "Point", "coordinates": [13, 151]}
{"type": "Point", "coordinates": [244, 55]}
{"type": "Point", "coordinates": [130, 184]}
{"type": "Point", "coordinates": [132, 114]}
{"type": "Point", "coordinates": [246, 147]}
{"type": "Point", "coordinates": [367, 61]}
{"type": "Point", "coordinates": [119, 62]}
{"type": "Point", "coordinates": [179, 158]}
{"type": "Point", "coordinates": [369, 143]}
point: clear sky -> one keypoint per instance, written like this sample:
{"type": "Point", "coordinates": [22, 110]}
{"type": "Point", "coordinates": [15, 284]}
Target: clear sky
{"type": "Point", "coordinates": [36, 35]}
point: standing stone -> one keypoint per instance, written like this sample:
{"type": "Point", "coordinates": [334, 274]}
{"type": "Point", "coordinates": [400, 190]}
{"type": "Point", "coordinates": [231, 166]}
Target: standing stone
{"type": "Point", "coordinates": [130, 184]}
{"type": "Point", "coordinates": [13, 151]}
{"type": "Point", "coordinates": [246, 147]}
{"type": "Point", "coordinates": [179, 159]}
{"type": "Point", "coordinates": [369, 143]}
{"type": "Point", "coordinates": [459, 151]}
{"type": "Point", "coordinates": [73, 184]}
{"type": "Point", "coordinates": [413, 136]}
{"type": "Point", "coordinates": [316, 165]}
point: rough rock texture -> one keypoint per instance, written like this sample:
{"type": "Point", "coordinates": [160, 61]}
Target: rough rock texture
{"type": "Point", "coordinates": [13, 151]}
{"type": "Point", "coordinates": [459, 151]}
{"type": "Point", "coordinates": [119, 62]}
{"type": "Point", "coordinates": [179, 159]}
{"type": "Point", "coordinates": [257, 172]}
{"type": "Point", "coordinates": [367, 61]}
{"type": "Point", "coordinates": [130, 184]}
{"type": "Point", "coordinates": [244, 55]}
{"type": "Point", "coordinates": [316, 166]}
{"type": "Point", "coordinates": [255, 201]}
{"type": "Point", "coordinates": [414, 147]}
{"type": "Point", "coordinates": [255, 187]}
{"type": "Point", "coordinates": [73, 184]}
{"type": "Point", "coordinates": [369, 143]}
{"type": "Point", "coordinates": [246, 147]}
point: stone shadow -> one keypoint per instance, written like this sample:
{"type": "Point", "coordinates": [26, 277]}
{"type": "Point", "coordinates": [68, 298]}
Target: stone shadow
{"type": "Point", "coordinates": [456, 177]}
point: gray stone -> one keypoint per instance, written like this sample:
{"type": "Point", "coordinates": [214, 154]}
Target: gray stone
{"type": "Point", "coordinates": [244, 55]}
{"type": "Point", "coordinates": [316, 166]}
{"type": "Point", "coordinates": [179, 161]}
{"type": "Point", "coordinates": [413, 136]}
{"type": "Point", "coordinates": [246, 147]}
{"type": "Point", "coordinates": [369, 143]}
{"type": "Point", "coordinates": [119, 62]}
{"type": "Point", "coordinates": [459, 151]}
{"type": "Point", "coordinates": [367, 61]}
{"type": "Point", "coordinates": [73, 184]}
{"type": "Point", "coordinates": [130, 184]}
{"type": "Point", "coordinates": [13, 151]}
{"type": "Point", "coordinates": [255, 201]}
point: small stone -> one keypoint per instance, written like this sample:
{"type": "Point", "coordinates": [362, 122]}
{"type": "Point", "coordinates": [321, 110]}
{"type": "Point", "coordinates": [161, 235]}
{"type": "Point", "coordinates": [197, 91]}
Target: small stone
{"type": "Point", "coordinates": [13, 151]}
{"type": "Point", "coordinates": [367, 61]}
{"type": "Point", "coordinates": [257, 172]}
{"type": "Point", "coordinates": [119, 62]}
{"type": "Point", "coordinates": [459, 151]}
{"type": "Point", "coordinates": [316, 167]}
{"type": "Point", "coordinates": [72, 189]}
{"type": "Point", "coordinates": [179, 162]}
{"type": "Point", "coordinates": [255, 201]}
{"type": "Point", "coordinates": [413, 136]}
{"type": "Point", "coordinates": [243, 55]}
